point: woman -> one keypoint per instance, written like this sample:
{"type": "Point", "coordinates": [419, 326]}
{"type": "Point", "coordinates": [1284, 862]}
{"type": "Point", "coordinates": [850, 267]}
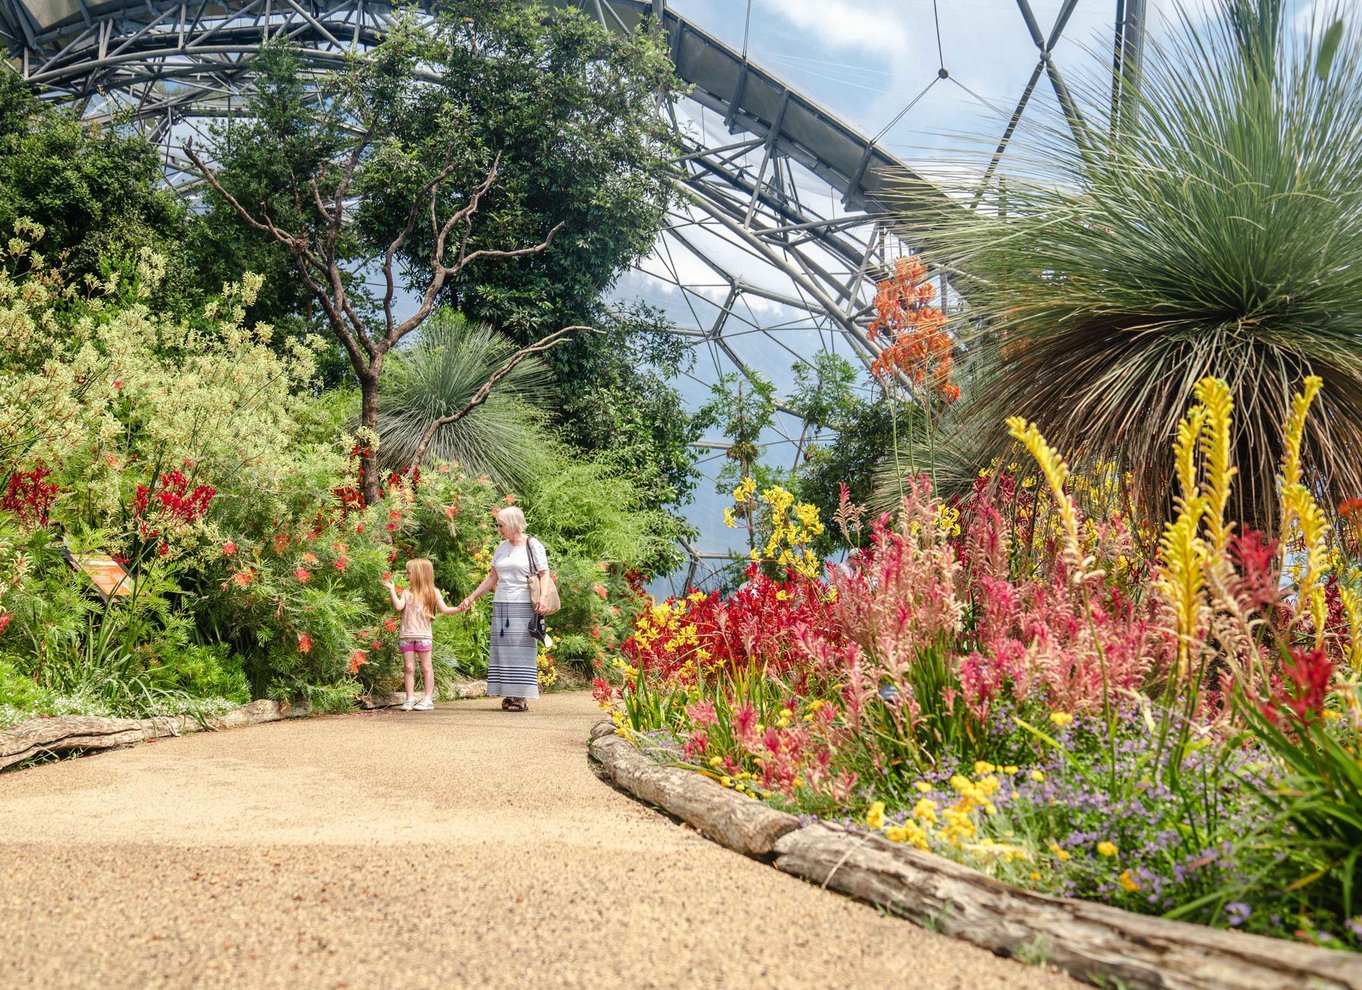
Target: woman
{"type": "Point", "coordinates": [512, 662]}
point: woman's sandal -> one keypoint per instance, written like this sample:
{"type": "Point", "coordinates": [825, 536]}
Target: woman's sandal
{"type": "Point", "coordinates": [506, 704]}
{"type": "Point", "coordinates": [516, 705]}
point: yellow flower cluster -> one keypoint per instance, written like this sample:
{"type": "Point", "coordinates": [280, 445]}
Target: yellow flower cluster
{"type": "Point", "coordinates": [1056, 473]}
{"type": "Point", "coordinates": [792, 527]}
{"type": "Point", "coordinates": [742, 783]}
{"type": "Point", "coordinates": [948, 518]}
{"type": "Point", "coordinates": [548, 670]}
{"type": "Point", "coordinates": [662, 621]}
{"type": "Point", "coordinates": [1193, 564]}
{"type": "Point", "coordinates": [955, 825]}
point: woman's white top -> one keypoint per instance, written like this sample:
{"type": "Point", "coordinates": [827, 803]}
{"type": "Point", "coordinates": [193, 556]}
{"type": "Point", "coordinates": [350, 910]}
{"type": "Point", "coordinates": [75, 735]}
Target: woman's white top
{"type": "Point", "coordinates": [513, 570]}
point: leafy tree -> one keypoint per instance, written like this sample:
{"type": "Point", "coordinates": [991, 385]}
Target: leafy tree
{"type": "Point", "coordinates": [573, 112]}
{"type": "Point", "coordinates": [623, 405]}
{"type": "Point", "coordinates": [358, 120]}
{"type": "Point", "coordinates": [823, 394]}
{"type": "Point", "coordinates": [494, 148]}
{"type": "Point", "coordinates": [97, 193]}
{"type": "Point", "coordinates": [1216, 230]}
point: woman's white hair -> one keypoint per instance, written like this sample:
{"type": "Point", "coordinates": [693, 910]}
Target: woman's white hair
{"type": "Point", "coordinates": [513, 517]}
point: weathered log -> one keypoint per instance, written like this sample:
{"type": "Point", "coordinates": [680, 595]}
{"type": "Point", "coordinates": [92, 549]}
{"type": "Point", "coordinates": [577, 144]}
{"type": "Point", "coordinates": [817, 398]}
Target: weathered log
{"type": "Point", "coordinates": [734, 821]}
{"type": "Point", "coordinates": [68, 733]}
{"type": "Point", "coordinates": [1091, 941]}
{"type": "Point", "coordinates": [604, 727]}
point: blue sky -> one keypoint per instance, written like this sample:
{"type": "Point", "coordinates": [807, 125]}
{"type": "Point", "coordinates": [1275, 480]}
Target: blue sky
{"type": "Point", "coordinates": [867, 59]}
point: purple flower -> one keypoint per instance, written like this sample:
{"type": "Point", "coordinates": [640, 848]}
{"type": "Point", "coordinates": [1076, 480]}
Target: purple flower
{"type": "Point", "coordinates": [1237, 912]}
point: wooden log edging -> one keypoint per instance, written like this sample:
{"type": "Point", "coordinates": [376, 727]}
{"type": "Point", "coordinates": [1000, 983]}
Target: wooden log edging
{"type": "Point", "coordinates": [71, 733]}
{"type": "Point", "coordinates": [67, 733]}
{"type": "Point", "coordinates": [733, 821]}
{"type": "Point", "coordinates": [1093, 942]}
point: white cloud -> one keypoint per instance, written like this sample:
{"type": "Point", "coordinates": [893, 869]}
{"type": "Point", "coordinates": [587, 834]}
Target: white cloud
{"type": "Point", "coordinates": [868, 25]}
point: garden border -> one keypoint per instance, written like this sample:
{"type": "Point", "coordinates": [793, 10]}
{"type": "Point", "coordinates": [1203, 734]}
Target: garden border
{"type": "Point", "coordinates": [66, 733]}
{"type": "Point", "coordinates": [72, 733]}
{"type": "Point", "coordinates": [1090, 941]}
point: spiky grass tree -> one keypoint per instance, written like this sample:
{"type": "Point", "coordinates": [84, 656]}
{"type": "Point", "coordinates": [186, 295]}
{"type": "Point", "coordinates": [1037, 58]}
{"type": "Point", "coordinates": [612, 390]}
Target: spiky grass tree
{"type": "Point", "coordinates": [1216, 231]}
{"type": "Point", "coordinates": [440, 375]}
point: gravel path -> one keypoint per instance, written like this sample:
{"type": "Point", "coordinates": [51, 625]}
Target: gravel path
{"type": "Point", "coordinates": [464, 847]}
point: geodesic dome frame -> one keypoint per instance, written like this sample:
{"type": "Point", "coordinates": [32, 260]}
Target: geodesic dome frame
{"type": "Point", "coordinates": [789, 215]}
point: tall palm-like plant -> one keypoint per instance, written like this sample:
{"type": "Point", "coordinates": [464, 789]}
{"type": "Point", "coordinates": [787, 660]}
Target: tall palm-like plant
{"type": "Point", "coordinates": [1215, 229]}
{"type": "Point", "coordinates": [438, 376]}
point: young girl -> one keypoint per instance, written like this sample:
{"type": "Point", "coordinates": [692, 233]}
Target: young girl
{"type": "Point", "coordinates": [418, 605]}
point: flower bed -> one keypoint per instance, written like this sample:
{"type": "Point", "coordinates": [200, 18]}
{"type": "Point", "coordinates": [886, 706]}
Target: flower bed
{"type": "Point", "coordinates": [1022, 682]}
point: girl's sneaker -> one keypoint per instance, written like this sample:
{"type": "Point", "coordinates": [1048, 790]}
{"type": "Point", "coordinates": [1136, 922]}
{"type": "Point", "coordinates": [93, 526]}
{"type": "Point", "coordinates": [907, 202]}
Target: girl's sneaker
{"type": "Point", "coordinates": [424, 705]}
{"type": "Point", "coordinates": [408, 705]}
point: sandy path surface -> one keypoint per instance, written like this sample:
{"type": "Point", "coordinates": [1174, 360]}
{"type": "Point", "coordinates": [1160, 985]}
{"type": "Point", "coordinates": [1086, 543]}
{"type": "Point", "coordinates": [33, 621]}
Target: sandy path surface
{"type": "Point", "coordinates": [464, 847]}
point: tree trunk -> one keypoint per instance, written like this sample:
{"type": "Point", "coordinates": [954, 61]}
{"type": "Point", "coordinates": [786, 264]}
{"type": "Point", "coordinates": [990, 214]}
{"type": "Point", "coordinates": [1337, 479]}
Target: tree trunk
{"type": "Point", "coordinates": [367, 440]}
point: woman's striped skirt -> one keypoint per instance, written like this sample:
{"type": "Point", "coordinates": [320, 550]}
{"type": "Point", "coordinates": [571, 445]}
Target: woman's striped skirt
{"type": "Point", "coordinates": [512, 661]}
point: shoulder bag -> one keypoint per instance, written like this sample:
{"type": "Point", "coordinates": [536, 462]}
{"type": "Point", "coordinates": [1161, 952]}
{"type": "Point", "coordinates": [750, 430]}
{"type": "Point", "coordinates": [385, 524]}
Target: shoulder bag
{"type": "Point", "coordinates": [549, 592]}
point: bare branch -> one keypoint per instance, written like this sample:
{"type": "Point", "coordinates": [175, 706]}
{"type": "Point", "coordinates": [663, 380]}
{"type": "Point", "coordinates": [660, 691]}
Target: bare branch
{"type": "Point", "coordinates": [488, 253]}
{"type": "Point", "coordinates": [481, 395]}
{"type": "Point", "coordinates": [439, 271]}
{"type": "Point", "coordinates": [335, 304]}
{"type": "Point", "coordinates": [431, 189]}
{"type": "Point", "coordinates": [209, 176]}
{"type": "Point", "coordinates": [466, 215]}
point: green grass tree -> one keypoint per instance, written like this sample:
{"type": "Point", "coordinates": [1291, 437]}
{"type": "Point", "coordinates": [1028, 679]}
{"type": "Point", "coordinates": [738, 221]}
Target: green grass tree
{"type": "Point", "coordinates": [1216, 231]}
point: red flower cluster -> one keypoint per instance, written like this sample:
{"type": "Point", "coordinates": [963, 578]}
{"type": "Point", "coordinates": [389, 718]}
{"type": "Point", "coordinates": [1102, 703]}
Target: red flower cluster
{"type": "Point", "coordinates": [760, 626]}
{"type": "Point", "coordinates": [175, 498]}
{"type": "Point", "coordinates": [29, 495]}
{"type": "Point", "coordinates": [1298, 697]}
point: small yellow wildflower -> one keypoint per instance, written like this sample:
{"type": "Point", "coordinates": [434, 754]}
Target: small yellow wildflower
{"type": "Point", "coordinates": [1128, 882]}
{"type": "Point", "coordinates": [923, 787]}
{"type": "Point", "coordinates": [716, 762]}
{"type": "Point", "coordinates": [1061, 854]}
{"type": "Point", "coordinates": [1061, 719]}
{"type": "Point", "coordinates": [726, 781]}
{"type": "Point", "coordinates": [982, 767]}
{"type": "Point", "coordinates": [925, 809]}
{"type": "Point", "coordinates": [874, 818]}
{"type": "Point", "coordinates": [1106, 848]}
{"type": "Point", "coordinates": [1034, 876]}
{"type": "Point", "coordinates": [1037, 776]}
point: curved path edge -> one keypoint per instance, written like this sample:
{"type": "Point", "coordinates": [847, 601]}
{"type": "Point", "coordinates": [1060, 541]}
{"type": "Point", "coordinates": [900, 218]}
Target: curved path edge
{"type": "Point", "coordinates": [1091, 941]}
{"type": "Point", "coordinates": [82, 733]}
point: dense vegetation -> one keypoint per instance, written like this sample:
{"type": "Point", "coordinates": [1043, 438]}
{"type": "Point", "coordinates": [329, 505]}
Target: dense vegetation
{"type": "Point", "coordinates": [175, 396]}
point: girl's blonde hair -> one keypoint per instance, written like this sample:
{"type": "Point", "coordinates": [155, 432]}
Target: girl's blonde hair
{"type": "Point", "coordinates": [421, 574]}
